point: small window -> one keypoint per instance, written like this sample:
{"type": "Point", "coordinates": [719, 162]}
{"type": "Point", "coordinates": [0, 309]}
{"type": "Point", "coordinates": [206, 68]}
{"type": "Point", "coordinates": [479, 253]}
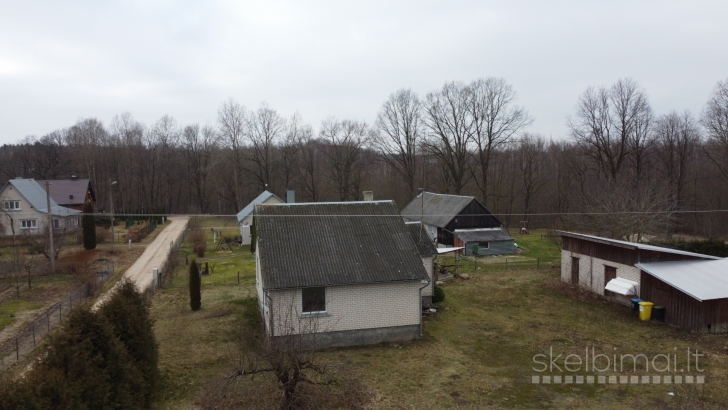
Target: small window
{"type": "Point", "coordinates": [28, 223]}
{"type": "Point", "coordinates": [314, 300]}
{"type": "Point", "coordinates": [11, 205]}
{"type": "Point", "coordinates": [56, 223]}
{"type": "Point", "coordinates": [483, 245]}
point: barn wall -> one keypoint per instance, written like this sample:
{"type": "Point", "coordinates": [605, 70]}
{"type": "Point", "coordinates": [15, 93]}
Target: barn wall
{"type": "Point", "coordinates": [683, 310]}
{"type": "Point", "coordinates": [494, 248]}
{"type": "Point", "coordinates": [591, 273]}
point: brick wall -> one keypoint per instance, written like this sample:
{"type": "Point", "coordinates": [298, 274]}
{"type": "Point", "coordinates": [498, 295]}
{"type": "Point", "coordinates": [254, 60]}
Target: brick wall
{"type": "Point", "coordinates": [350, 307]}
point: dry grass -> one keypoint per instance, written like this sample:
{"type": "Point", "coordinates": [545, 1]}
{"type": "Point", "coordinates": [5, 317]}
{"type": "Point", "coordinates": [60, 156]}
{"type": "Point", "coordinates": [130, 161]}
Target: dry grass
{"type": "Point", "coordinates": [477, 351]}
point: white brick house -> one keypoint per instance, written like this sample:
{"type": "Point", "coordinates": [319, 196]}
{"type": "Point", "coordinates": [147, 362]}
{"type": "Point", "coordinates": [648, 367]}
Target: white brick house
{"type": "Point", "coordinates": [341, 274]}
{"type": "Point", "coordinates": [24, 209]}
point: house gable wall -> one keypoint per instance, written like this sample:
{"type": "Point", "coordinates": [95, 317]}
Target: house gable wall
{"type": "Point", "coordinates": [25, 212]}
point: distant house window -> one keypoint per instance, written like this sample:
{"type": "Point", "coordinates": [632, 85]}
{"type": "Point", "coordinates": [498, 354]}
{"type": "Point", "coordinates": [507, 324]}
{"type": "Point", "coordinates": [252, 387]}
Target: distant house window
{"type": "Point", "coordinates": [484, 245]}
{"type": "Point", "coordinates": [11, 205]}
{"type": "Point", "coordinates": [28, 223]}
{"type": "Point", "coordinates": [56, 223]}
{"type": "Point", "coordinates": [314, 300]}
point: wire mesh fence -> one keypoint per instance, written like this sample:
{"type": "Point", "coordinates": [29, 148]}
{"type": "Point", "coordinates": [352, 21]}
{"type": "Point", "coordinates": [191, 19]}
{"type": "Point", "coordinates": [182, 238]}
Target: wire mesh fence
{"type": "Point", "coordinates": [15, 349]}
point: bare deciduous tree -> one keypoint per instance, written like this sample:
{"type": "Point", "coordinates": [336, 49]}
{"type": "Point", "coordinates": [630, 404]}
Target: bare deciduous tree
{"type": "Point", "coordinates": [611, 123]}
{"type": "Point", "coordinates": [264, 128]}
{"type": "Point", "coordinates": [495, 121]}
{"type": "Point", "coordinates": [450, 129]}
{"type": "Point", "coordinates": [715, 121]}
{"type": "Point", "coordinates": [677, 136]}
{"type": "Point", "coordinates": [531, 161]}
{"type": "Point", "coordinates": [231, 118]}
{"type": "Point", "coordinates": [344, 143]}
{"type": "Point", "coordinates": [399, 125]}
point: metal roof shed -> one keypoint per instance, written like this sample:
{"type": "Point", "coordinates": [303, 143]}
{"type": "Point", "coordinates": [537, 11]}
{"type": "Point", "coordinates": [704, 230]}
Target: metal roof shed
{"type": "Point", "coordinates": [694, 293]}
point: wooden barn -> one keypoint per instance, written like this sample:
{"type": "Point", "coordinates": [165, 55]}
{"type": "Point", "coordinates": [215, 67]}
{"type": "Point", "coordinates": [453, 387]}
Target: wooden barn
{"type": "Point", "coordinates": [607, 266]}
{"type": "Point", "coordinates": [694, 293]}
{"type": "Point", "coordinates": [442, 214]}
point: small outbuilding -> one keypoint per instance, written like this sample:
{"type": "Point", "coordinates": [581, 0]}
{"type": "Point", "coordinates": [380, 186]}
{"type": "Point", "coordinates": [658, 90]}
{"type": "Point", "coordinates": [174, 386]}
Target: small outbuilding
{"type": "Point", "coordinates": [592, 262]}
{"type": "Point", "coordinates": [245, 216]}
{"type": "Point", "coordinates": [442, 214]}
{"type": "Point", "coordinates": [338, 273]}
{"type": "Point", "coordinates": [694, 293]}
{"type": "Point", "coordinates": [489, 241]}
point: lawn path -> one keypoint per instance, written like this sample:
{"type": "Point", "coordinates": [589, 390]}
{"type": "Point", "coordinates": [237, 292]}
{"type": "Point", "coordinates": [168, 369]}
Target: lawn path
{"type": "Point", "coordinates": [153, 257]}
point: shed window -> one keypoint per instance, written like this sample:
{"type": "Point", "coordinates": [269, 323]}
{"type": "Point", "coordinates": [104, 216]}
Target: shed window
{"type": "Point", "coordinates": [56, 223]}
{"type": "Point", "coordinates": [483, 245]}
{"type": "Point", "coordinates": [314, 300]}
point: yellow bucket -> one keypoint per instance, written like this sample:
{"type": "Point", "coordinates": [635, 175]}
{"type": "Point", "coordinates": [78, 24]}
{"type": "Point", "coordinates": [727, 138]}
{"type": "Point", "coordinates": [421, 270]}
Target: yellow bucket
{"type": "Point", "coordinates": [645, 310]}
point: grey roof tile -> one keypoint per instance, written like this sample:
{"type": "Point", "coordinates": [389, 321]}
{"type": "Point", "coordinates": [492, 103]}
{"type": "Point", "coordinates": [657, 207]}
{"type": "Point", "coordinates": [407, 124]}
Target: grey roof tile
{"type": "Point", "coordinates": [436, 209]}
{"type": "Point", "coordinates": [328, 244]}
{"type": "Point", "coordinates": [422, 241]}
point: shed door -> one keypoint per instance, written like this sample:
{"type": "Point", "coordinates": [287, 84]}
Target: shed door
{"type": "Point", "coordinates": [610, 272]}
{"type": "Point", "coordinates": [574, 270]}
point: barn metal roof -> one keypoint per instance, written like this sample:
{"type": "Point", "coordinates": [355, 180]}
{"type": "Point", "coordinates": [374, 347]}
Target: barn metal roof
{"type": "Point", "coordinates": [701, 279]}
{"type": "Point", "coordinates": [258, 200]}
{"type": "Point", "coordinates": [421, 238]}
{"type": "Point", "coordinates": [36, 195]}
{"type": "Point", "coordinates": [328, 244]}
{"type": "Point", "coordinates": [436, 209]}
{"type": "Point", "coordinates": [482, 235]}
{"type": "Point", "coordinates": [632, 245]}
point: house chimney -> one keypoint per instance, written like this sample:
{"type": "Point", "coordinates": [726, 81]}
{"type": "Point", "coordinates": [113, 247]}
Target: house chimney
{"type": "Point", "coordinates": [290, 196]}
{"type": "Point", "coordinates": [368, 195]}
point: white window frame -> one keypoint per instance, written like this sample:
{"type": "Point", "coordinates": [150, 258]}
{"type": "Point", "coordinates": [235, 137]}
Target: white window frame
{"type": "Point", "coordinates": [11, 205]}
{"type": "Point", "coordinates": [28, 223]}
{"type": "Point", "coordinates": [480, 245]}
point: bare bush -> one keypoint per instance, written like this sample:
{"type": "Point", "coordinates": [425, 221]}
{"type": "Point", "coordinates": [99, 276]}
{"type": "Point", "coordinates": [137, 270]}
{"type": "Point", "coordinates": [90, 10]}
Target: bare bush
{"type": "Point", "coordinates": [200, 249]}
{"type": "Point", "coordinates": [102, 234]}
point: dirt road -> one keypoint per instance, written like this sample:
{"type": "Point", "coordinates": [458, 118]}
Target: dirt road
{"type": "Point", "coordinates": [153, 257]}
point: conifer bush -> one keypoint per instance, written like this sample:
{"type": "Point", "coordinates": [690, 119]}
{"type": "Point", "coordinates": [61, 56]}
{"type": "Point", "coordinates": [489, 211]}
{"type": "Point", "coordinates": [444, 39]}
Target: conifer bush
{"type": "Point", "coordinates": [195, 283]}
{"type": "Point", "coordinates": [88, 226]}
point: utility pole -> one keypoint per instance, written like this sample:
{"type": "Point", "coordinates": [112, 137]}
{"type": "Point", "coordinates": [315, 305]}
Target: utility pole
{"type": "Point", "coordinates": [111, 205]}
{"type": "Point", "coordinates": [50, 229]}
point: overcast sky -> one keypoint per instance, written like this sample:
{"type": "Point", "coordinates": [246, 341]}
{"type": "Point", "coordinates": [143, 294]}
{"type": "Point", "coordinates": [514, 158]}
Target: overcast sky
{"type": "Point", "coordinates": [65, 60]}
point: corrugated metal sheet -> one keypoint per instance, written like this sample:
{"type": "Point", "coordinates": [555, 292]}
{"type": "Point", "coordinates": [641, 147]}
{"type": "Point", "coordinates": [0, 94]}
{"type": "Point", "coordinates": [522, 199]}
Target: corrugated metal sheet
{"type": "Point", "coordinates": [437, 209]}
{"type": "Point", "coordinates": [482, 235]}
{"type": "Point", "coordinates": [632, 245]}
{"type": "Point", "coordinates": [422, 241]}
{"type": "Point", "coordinates": [258, 200]}
{"type": "Point", "coordinates": [327, 244]}
{"type": "Point", "coordinates": [33, 193]}
{"type": "Point", "coordinates": [701, 279]}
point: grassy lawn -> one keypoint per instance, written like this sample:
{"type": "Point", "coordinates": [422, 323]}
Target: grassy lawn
{"type": "Point", "coordinates": [477, 351]}
{"type": "Point", "coordinates": [536, 251]}
{"type": "Point", "coordinates": [10, 308]}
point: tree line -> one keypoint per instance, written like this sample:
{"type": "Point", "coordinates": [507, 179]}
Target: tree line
{"type": "Point", "coordinates": [622, 170]}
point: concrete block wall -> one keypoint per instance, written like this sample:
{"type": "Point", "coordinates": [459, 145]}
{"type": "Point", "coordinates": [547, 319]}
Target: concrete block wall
{"type": "Point", "coordinates": [591, 272]}
{"type": "Point", "coordinates": [350, 307]}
